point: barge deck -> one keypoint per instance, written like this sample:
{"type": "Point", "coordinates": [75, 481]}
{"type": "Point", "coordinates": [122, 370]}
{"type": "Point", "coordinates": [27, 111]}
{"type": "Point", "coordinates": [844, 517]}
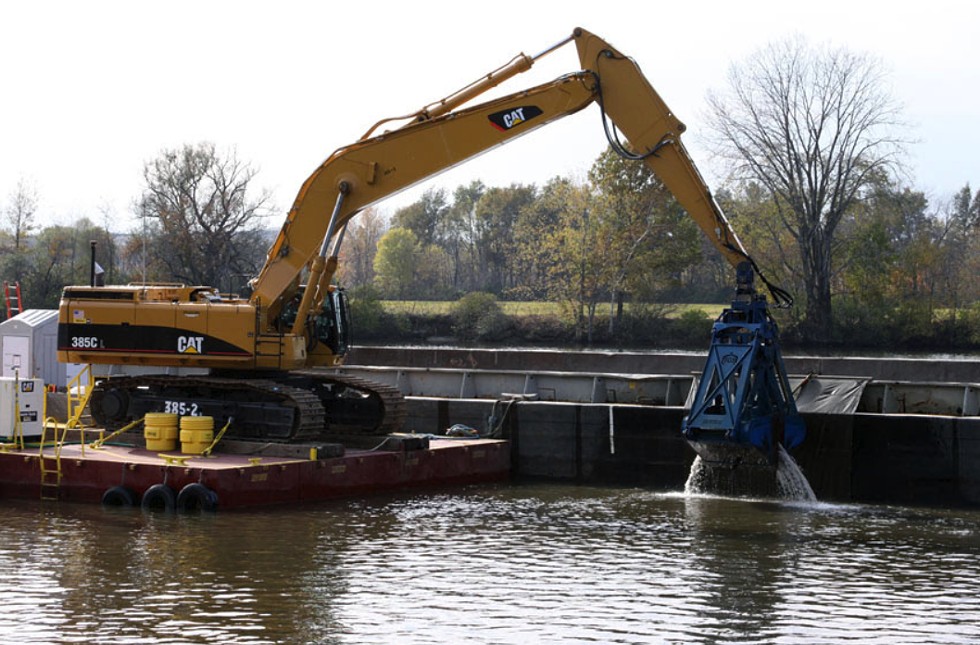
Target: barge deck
{"type": "Point", "coordinates": [120, 474]}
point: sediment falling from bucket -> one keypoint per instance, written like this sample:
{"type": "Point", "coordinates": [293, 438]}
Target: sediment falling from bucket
{"type": "Point", "coordinates": [788, 483]}
{"type": "Point", "coordinates": [792, 483]}
{"type": "Point", "coordinates": [695, 479]}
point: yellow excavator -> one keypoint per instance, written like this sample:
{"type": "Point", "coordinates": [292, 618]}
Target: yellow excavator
{"type": "Point", "coordinates": [266, 354]}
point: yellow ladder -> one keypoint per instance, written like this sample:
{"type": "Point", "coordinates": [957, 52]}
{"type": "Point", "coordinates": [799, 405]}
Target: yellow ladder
{"type": "Point", "coordinates": [51, 464]}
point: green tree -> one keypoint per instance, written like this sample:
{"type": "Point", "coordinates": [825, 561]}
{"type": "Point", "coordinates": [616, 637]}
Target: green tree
{"type": "Point", "coordinates": [647, 240]}
{"type": "Point", "coordinates": [478, 316]}
{"type": "Point", "coordinates": [497, 214]}
{"type": "Point", "coordinates": [59, 256]}
{"type": "Point", "coordinates": [570, 255]}
{"type": "Point", "coordinates": [366, 310]}
{"type": "Point", "coordinates": [536, 222]}
{"type": "Point", "coordinates": [621, 233]}
{"type": "Point", "coordinates": [450, 234]}
{"type": "Point", "coordinates": [963, 222]}
{"type": "Point", "coordinates": [404, 268]}
{"type": "Point", "coordinates": [17, 225]}
{"type": "Point", "coordinates": [395, 262]}
{"type": "Point", "coordinates": [756, 217]}
{"type": "Point", "coordinates": [892, 264]}
{"type": "Point", "coordinates": [423, 217]}
{"type": "Point", "coordinates": [458, 235]}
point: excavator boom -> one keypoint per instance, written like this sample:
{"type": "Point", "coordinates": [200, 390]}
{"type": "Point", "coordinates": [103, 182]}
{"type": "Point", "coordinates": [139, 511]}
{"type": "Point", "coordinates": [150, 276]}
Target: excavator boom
{"type": "Point", "coordinates": [437, 139]}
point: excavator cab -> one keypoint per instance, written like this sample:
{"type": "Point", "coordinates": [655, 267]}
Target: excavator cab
{"type": "Point", "coordinates": [330, 327]}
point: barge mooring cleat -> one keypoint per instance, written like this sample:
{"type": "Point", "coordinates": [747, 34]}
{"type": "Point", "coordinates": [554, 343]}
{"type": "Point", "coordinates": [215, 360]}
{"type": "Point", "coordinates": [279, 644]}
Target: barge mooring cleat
{"type": "Point", "coordinates": [743, 407]}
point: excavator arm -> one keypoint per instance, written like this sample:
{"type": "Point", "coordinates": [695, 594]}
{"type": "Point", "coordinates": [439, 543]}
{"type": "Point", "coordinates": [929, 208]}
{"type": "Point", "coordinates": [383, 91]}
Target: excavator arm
{"type": "Point", "coordinates": [439, 137]}
{"type": "Point", "coordinates": [743, 400]}
{"type": "Point", "coordinates": [370, 170]}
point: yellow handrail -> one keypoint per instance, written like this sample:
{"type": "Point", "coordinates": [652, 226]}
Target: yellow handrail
{"type": "Point", "coordinates": [97, 444]}
{"type": "Point", "coordinates": [76, 400]}
{"type": "Point", "coordinates": [221, 433]}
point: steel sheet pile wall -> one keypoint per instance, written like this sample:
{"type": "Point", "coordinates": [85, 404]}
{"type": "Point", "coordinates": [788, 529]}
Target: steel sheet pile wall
{"type": "Point", "coordinates": [914, 438]}
{"type": "Point", "coordinates": [846, 457]}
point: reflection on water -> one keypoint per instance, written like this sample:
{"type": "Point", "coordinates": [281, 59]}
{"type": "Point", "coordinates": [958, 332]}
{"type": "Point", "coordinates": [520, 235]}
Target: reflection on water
{"type": "Point", "coordinates": [504, 564]}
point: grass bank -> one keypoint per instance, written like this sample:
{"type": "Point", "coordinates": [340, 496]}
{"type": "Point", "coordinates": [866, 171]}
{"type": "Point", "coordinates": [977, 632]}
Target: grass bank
{"type": "Point", "coordinates": [538, 308]}
{"type": "Point", "coordinates": [488, 322]}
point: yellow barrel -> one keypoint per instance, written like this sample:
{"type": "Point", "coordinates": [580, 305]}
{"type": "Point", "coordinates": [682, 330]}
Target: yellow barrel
{"type": "Point", "coordinates": [196, 434]}
{"type": "Point", "coordinates": [160, 431]}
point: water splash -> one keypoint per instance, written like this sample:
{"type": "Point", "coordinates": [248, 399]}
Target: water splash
{"type": "Point", "coordinates": [792, 483]}
{"type": "Point", "coordinates": [787, 481]}
{"type": "Point", "coordinates": [695, 478]}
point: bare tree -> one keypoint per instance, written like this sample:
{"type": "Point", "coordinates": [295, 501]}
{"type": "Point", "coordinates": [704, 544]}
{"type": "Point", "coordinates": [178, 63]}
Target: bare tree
{"type": "Point", "coordinates": [814, 126]}
{"type": "Point", "coordinates": [19, 216]}
{"type": "Point", "coordinates": [204, 215]}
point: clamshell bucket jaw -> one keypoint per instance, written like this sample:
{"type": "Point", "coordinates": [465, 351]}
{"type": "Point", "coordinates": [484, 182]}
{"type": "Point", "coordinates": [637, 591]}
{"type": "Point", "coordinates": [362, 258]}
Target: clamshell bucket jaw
{"type": "Point", "coordinates": [743, 407]}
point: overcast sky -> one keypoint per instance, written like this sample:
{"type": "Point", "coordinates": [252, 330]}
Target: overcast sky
{"type": "Point", "coordinates": [92, 90]}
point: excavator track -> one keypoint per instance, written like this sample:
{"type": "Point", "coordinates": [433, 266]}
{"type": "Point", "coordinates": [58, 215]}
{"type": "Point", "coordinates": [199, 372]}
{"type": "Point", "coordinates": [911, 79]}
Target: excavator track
{"type": "Point", "coordinates": [292, 406]}
{"type": "Point", "coordinates": [356, 405]}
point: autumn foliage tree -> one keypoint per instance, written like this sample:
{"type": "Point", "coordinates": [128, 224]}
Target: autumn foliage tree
{"type": "Point", "coordinates": [356, 263]}
{"type": "Point", "coordinates": [646, 238]}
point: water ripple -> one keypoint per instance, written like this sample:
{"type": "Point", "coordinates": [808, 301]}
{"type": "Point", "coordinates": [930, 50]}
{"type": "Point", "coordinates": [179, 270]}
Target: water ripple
{"type": "Point", "coordinates": [507, 564]}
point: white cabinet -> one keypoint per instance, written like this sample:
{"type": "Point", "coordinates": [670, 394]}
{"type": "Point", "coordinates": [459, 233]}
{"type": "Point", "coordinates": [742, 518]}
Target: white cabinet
{"type": "Point", "coordinates": [27, 396]}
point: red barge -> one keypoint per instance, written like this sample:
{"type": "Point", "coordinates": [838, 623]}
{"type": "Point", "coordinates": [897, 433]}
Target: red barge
{"type": "Point", "coordinates": [133, 475]}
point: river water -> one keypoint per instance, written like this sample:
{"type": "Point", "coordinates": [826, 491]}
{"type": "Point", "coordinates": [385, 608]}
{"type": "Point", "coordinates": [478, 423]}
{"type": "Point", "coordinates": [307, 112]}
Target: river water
{"type": "Point", "coordinates": [509, 563]}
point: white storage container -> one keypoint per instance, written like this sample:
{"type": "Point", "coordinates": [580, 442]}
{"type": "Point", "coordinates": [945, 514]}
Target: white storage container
{"type": "Point", "coordinates": [29, 345]}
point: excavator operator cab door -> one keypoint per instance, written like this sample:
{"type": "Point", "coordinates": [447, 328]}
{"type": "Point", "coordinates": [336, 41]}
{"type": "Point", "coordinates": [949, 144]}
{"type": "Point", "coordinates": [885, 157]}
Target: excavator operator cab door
{"type": "Point", "coordinates": [333, 327]}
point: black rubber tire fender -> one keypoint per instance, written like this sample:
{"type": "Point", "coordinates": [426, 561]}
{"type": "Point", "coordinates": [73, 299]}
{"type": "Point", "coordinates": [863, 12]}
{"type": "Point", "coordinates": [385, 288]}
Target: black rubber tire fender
{"type": "Point", "coordinates": [159, 497]}
{"type": "Point", "coordinates": [119, 496]}
{"type": "Point", "coordinates": [196, 497]}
